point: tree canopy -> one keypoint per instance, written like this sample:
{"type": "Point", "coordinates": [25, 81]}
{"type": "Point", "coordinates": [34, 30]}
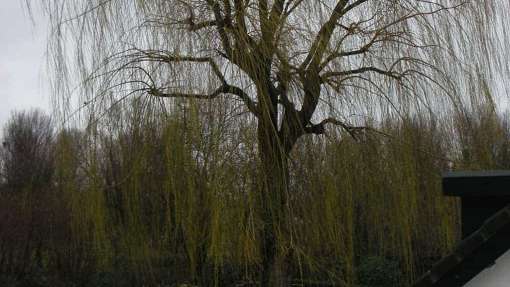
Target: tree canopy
{"type": "Point", "coordinates": [300, 61]}
{"type": "Point", "coordinates": [290, 67]}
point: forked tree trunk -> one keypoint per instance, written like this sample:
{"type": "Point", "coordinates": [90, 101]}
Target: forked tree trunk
{"type": "Point", "coordinates": [275, 182]}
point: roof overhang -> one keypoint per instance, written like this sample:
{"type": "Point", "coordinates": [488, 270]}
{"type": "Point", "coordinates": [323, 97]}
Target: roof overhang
{"type": "Point", "coordinates": [477, 183]}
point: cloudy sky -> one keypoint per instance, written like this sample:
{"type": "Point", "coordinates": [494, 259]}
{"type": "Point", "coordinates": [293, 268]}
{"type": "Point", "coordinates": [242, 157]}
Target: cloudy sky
{"type": "Point", "coordinates": [23, 69]}
{"type": "Point", "coordinates": [22, 60]}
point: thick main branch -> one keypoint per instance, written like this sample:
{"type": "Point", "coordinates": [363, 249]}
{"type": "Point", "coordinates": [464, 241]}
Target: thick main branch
{"type": "Point", "coordinates": [223, 89]}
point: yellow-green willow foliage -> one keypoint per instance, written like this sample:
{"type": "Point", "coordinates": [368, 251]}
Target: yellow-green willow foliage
{"type": "Point", "coordinates": [175, 199]}
{"type": "Point", "coordinates": [483, 138]}
{"type": "Point", "coordinates": [78, 185]}
{"type": "Point", "coordinates": [149, 198]}
{"type": "Point", "coordinates": [183, 191]}
{"type": "Point", "coordinates": [380, 196]}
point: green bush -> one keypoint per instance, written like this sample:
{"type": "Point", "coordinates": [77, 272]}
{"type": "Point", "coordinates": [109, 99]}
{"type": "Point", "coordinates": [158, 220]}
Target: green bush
{"type": "Point", "coordinates": [379, 272]}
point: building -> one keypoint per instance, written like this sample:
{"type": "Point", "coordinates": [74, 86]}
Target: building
{"type": "Point", "coordinates": [482, 258]}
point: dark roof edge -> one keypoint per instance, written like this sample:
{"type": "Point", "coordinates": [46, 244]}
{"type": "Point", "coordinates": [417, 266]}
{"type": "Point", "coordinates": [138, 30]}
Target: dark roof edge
{"type": "Point", "coordinates": [484, 173]}
{"type": "Point", "coordinates": [466, 247]}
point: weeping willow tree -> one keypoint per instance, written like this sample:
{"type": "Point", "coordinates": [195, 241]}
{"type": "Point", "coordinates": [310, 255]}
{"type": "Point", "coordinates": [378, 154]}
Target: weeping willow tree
{"type": "Point", "coordinates": [295, 66]}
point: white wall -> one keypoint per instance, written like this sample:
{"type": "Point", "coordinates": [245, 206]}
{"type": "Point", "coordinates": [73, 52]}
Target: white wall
{"type": "Point", "coordinates": [498, 275]}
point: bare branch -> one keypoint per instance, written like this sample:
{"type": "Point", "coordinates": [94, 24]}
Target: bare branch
{"type": "Point", "coordinates": [363, 49]}
{"type": "Point", "coordinates": [389, 73]}
{"type": "Point", "coordinates": [326, 31]}
{"type": "Point", "coordinates": [162, 56]}
{"type": "Point", "coordinates": [194, 27]}
{"type": "Point", "coordinates": [320, 128]}
{"type": "Point", "coordinates": [223, 89]}
{"type": "Point", "coordinates": [220, 25]}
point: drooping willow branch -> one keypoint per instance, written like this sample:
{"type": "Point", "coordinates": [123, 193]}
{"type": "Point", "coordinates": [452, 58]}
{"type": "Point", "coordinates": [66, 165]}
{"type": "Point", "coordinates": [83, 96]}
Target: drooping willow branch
{"type": "Point", "coordinates": [320, 128]}
{"type": "Point", "coordinates": [291, 63]}
{"type": "Point", "coordinates": [223, 89]}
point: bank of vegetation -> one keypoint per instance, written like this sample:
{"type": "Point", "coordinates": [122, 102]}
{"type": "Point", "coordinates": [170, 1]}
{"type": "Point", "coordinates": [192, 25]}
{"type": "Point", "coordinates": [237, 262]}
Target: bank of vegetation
{"type": "Point", "coordinates": [151, 197]}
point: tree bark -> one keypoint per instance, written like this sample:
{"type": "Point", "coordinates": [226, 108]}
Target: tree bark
{"type": "Point", "coordinates": [274, 196]}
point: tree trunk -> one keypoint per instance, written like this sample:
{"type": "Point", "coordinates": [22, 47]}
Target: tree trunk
{"type": "Point", "coordinates": [275, 182]}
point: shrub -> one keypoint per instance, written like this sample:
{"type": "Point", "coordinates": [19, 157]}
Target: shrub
{"type": "Point", "coordinates": [379, 272]}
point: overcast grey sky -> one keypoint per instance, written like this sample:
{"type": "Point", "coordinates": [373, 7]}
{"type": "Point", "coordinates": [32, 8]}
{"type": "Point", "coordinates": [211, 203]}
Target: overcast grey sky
{"type": "Point", "coordinates": [22, 60]}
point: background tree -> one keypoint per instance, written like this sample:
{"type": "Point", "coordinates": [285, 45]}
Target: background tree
{"type": "Point", "coordinates": [27, 151]}
{"type": "Point", "coordinates": [27, 172]}
{"type": "Point", "coordinates": [294, 65]}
